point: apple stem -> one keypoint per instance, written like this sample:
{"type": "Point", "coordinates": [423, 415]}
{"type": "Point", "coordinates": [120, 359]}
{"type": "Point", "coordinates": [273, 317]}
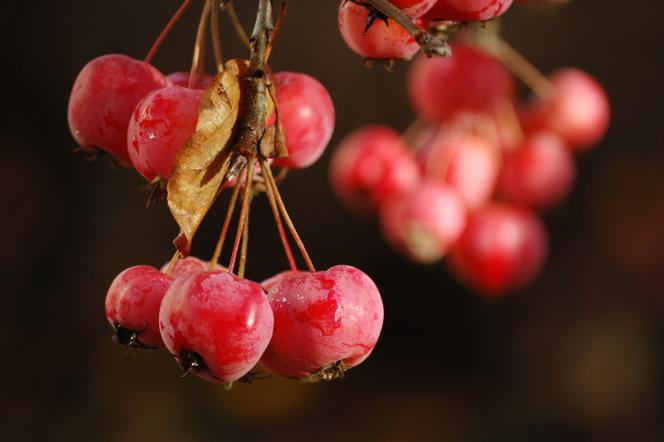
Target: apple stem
{"type": "Point", "coordinates": [277, 218]}
{"type": "Point", "coordinates": [200, 42]}
{"type": "Point", "coordinates": [216, 37]}
{"type": "Point", "coordinates": [275, 32]}
{"type": "Point", "coordinates": [235, 22]}
{"type": "Point", "coordinates": [167, 29]}
{"type": "Point", "coordinates": [287, 219]}
{"type": "Point", "coordinates": [174, 260]}
{"type": "Point", "coordinates": [224, 229]}
{"type": "Point", "coordinates": [244, 212]}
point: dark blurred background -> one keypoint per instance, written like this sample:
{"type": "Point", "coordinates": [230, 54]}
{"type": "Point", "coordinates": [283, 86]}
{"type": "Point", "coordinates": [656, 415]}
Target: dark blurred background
{"type": "Point", "coordinates": [577, 357]}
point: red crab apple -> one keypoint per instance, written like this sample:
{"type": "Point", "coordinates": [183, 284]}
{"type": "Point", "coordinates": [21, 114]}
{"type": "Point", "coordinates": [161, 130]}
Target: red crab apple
{"type": "Point", "coordinates": [202, 81]}
{"type": "Point", "coordinates": [104, 95]}
{"type": "Point", "coordinates": [468, 161]}
{"type": "Point", "coordinates": [372, 165]}
{"type": "Point", "coordinates": [578, 109]}
{"type": "Point", "coordinates": [469, 81]}
{"type": "Point", "coordinates": [468, 10]}
{"type": "Point", "coordinates": [216, 325]}
{"type": "Point", "coordinates": [425, 224]}
{"type": "Point", "coordinates": [540, 173]}
{"type": "Point", "coordinates": [160, 125]}
{"type": "Point", "coordinates": [132, 306]}
{"type": "Point", "coordinates": [324, 323]}
{"type": "Point", "coordinates": [380, 41]}
{"type": "Point", "coordinates": [307, 114]}
{"type": "Point", "coordinates": [502, 249]}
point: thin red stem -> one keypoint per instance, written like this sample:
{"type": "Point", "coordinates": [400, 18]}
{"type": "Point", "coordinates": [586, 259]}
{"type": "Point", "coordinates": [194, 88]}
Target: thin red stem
{"type": "Point", "coordinates": [277, 219]}
{"type": "Point", "coordinates": [216, 37]}
{"type": "Point", "coordinates": [235, 21]}
{"type": "Point", "coordinates": [249, 178]}
{"type": "Point", "coordinates": [174, 260]}
{"type": "Point", "coordinates": [200, 42]}
{"type": "Point", "coordinates": [167, 29]}
{"type": "Point", "coordinates": [224, 229]}
{"type": "Point", "coordinates": [287, 219]}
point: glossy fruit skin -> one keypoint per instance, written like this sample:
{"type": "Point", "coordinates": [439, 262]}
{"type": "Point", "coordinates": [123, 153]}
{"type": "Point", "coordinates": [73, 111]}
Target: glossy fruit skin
{"type": "Point", "coordinates": [103, 98]}
{"type": "Point", "coordinates": [381, 41]}
{"type": "Point", "coordinates": [322, 318]}
{"type": "Point", "coordinates": [468, 10]}
{"type": "Point", "coordinates": [425, 224]}
{"type": "Point", "coordinates": [414, 8]}
{"type": "Point", "coordinates": [307, 114]}
{"type": "Point", "coordinates": [223, 321]}
{"type": "Point", "coordinates": [160, 125]}
{"type": "Point", "coordinates": [467, 161]}
{"type": "Point", "coordinates": [578, 110]}
{"type": "Point", "coordinates": [182, 79]}
{"type": "Point", "coordinates": [371, 166]}
{"type": "Point", "coordinates": [469, 81]}
{"type": "Point", "coordinates": [188, 265]}
{"type": "Point", "coordinates": [133, 301]}
{"type": "Point", "coordinates": [502, 249]}
{"type": "Point", "coordinates": [540, 173]}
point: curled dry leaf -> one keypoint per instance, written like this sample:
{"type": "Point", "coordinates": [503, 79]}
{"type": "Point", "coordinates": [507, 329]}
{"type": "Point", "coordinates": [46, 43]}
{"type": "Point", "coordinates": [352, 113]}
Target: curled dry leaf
{"type": "Point", "coordinates": [203, 162]}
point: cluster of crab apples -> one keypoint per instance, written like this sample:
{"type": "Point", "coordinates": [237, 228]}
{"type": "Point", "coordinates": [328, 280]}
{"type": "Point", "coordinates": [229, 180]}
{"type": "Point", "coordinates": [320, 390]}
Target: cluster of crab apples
{"type": "Point", "coordinates": [470, 176]}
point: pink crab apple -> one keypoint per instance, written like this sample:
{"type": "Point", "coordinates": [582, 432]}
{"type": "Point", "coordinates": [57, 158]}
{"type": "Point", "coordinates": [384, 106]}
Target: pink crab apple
{"type": "Point", "coordinates": [104, 95]}
{"type": "Point", "coordinates": [502, 249]}
{"type": "Point", "coordinates": [578, 109]}
{"type": "Point", "coordinates": [307, 114]}
{"type": "Point", "coordinates": [468, 10]}
{"type": "Point", "coordinates": [380, 41]}
{"type": "Point", "coordinates": [188, 265]}
{"type": "Point", "coordinates": [215, 324]}
{"type": "Point", "coordinates": [469, 81]}
{"type": "Point", "coordinates": [132, 306]}
{"type": "Point", "coordinates": [324, 323]}
{"type": "Point", "coordinates": [372, 165]}
{"type": "Point", "coordinates": [540, 173]}
{"type": "Point", "coordinates": [160, 125]}
{"type": "Point", "coordinates": [468, 161]}
{"type": "Point", "coordinates": [425, 224]}
{"type": "Point", "coordinates": [202, 81]}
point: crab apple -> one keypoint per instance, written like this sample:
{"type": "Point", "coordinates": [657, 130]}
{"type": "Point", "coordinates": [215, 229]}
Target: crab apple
{"type": "Point", "coordinates": [371, 166]}
{"type": "Point", "coordinates": [216, 325]}
{"type": "Point", "coordinates": [414, 8]}
{"type": "Point", "coordinates": [425, 224]}
{"type": "Point", "coordinates": [324, 323]}
{"type": "Point", "coordinates": [467, 161]}
{"type": "Point", "coordinates": [470, 81]}
{"type": "Point", "coordinates": [307, 115]}
{"type": "Point", "coordinates": [272, 281]}
{"type": "Point", "coordinates": [468, 10]}
{"type": "Point", "coordinates": [381, 40]}
{"type": "Point", "coordinates": [160, 125]}
{"type": "Point", "coordinates": [202, 81]}
{"type": "Point", "coordinates": [132, 306]}
{"type": "Point", "coordinates": [187, 265]}
{"type": "Point", "coordinates": [578, 109]}
{"type": "Point", "coordinates": [503, 248]}
{"type": "Point", "coordinates": [104, 95]}
{"type": "Point", "coordinates": [540, 173]}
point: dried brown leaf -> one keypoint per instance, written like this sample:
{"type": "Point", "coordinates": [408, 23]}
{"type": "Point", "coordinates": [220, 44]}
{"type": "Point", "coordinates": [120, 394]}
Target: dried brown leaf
{"type": "Point", "coordinates": [201, 164]}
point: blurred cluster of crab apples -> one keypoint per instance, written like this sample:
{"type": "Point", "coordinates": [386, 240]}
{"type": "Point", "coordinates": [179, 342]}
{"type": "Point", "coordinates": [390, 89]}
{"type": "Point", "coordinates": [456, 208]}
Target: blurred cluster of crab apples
{"type": "Point", "coordinates": [469, 179]}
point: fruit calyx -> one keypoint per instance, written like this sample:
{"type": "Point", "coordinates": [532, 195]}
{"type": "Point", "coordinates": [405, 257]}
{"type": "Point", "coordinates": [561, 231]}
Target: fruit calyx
{"type": "Point", "coordinates": [332, 372]}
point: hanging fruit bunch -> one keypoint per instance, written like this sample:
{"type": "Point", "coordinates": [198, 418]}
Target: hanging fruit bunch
{"type": "Point", "coordinates": [467, 180]}
{"type": "Point", "coordinates": [192, 136]}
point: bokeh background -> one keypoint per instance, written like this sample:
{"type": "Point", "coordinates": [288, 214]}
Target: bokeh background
{"type": "Point", "coordinates": [579, 356]}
